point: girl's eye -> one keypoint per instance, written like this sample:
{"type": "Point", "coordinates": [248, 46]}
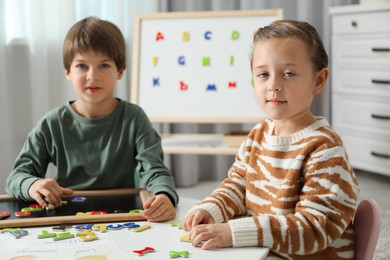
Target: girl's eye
{"type": "Point", "coordinates": [288, 74]}
{"type": "Point", "coordinates": [262, 75]}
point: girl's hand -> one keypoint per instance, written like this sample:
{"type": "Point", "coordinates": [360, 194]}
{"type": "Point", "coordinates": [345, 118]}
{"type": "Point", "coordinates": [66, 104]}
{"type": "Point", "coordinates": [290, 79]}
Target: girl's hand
{"type": "Point", "coordinates": [159, 208]}
{"type": "Point", "coordinates": [196, 217]}
{"type": "Point", "coordinates": [212, 236]}
{"type": "Point", "coordinates": [46, 191]}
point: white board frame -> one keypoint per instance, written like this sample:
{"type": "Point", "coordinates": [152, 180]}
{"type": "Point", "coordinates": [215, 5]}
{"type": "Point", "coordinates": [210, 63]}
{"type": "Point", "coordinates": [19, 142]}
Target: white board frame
{"type": "Point", "coordinates": [142, 65]}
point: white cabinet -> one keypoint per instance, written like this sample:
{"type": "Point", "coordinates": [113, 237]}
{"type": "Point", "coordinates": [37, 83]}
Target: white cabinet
{"type": "Point", "coordinates": [360, 75]}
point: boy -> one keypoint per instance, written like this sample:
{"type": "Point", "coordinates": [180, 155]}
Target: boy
{"type": "Point", "coordinates": [96, 141]}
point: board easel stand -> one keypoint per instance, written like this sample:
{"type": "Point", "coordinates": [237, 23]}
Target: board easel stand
{"type": "Point", "coordinates": [154, 57]}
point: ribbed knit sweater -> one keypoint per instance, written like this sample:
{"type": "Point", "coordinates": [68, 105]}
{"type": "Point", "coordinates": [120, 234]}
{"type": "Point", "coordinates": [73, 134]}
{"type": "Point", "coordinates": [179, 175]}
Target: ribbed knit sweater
{"type": "Point", "coordinates": [293, 194]}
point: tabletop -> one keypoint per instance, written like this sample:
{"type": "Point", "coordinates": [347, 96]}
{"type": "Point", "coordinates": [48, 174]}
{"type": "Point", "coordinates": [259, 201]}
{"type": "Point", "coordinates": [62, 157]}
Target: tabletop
{"type": "Point", "coordinates": [118, 244]}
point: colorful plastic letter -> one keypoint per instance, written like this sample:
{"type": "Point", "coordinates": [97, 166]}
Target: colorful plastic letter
{"type": "Point", "coordinates": [211, 87]}
{"type": "Point", "coordinates": [235, 35]}
{"type": "Point", "coordinates": [159, 36]}
{"type": "Point", "coordinates": [183, 86]}
{"type": "Point", "coordinates": [155, 60]}
{"type": "Point", "coordinates": [176, 254]}
{"type": "Point", "coordinates": [232, 84]}
{"type": "Point", "coordinates": [186, 36]}
{"type": "Point", "coordinates": [155, 83]}
{"type": "Point", "coordinates": [46, 234]}
{"type": "Point", "coordinates": [141, 228]}
{"type": "Point", "coordinates": [181, 60]}
{"type": "Point", "coordinates": [207, 35]}
{"type": "Point", "coordinates": [144, 251]}
{"type": "Point", "coordinates": [206, 61]}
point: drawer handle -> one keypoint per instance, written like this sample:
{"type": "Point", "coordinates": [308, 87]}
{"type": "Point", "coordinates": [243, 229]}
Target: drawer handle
{"type": "Point", "coordinates": [374, 49]}
{"type": "Point", "coordinates": [380, 81]}
{"type": "Point", "coordinates": [381, 155]}
{"type": "Point", "coordinates": [380, 117]}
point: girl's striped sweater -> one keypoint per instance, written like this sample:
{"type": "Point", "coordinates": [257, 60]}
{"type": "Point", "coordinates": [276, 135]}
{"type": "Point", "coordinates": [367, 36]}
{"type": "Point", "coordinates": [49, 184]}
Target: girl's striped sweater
{"type": "Point", "coordinates": [293, 194]}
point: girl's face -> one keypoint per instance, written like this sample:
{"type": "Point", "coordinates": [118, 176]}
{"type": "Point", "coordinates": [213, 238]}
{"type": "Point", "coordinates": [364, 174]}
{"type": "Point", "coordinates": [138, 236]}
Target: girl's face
{"type": "Point", "coordinates": [93, 76]}
{"type": "Point", "coordinates": [284, 78]}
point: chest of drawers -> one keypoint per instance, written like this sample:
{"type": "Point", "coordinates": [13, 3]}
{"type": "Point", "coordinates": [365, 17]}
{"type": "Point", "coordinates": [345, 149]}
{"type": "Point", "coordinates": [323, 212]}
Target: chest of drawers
{"type": "Point", "coordinates": [360, 79]}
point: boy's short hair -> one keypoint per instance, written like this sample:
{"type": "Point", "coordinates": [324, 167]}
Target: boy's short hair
{"type": "Point", "coordinates": [98, 35]}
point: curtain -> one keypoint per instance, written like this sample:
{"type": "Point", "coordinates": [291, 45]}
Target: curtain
{"type": "Point", "coordinates": [189, 169]}
{"type": "Point", "coordinates": [32, 78]}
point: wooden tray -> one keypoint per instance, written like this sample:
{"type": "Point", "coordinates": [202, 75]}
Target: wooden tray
{"type": "Point", "coordinates": [97, 200]}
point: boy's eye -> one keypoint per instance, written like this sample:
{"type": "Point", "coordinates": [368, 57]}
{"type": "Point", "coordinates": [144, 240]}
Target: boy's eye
{"type": "Point", "coordinates": [81, 66]}
{"type": "Point", "coordinates": [105, 66]}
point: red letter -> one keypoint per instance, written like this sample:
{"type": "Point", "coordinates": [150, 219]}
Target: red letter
{"type": "Point", "coordinates": [159, 36]}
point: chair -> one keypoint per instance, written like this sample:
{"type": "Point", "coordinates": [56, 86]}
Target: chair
{"type": "Point", "coordinates": [367, 223]}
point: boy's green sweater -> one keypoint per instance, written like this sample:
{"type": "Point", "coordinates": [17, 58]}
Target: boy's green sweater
{"type": "Point", "coordinates": [102, 153]}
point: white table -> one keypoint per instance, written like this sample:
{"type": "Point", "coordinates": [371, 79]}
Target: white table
{"type": "Point", "coordinates": [119, 244]}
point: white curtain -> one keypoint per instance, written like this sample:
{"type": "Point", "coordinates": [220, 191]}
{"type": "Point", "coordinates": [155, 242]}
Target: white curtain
{"type": "Point", "coordinates": [32, 78]}
{"type": "Point", "coordinates": [189, 169]}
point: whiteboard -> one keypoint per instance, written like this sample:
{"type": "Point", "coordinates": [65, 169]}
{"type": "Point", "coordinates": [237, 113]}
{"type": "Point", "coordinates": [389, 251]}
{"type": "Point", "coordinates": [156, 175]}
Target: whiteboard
{"type": "Point", "coordinates": [195, 66]}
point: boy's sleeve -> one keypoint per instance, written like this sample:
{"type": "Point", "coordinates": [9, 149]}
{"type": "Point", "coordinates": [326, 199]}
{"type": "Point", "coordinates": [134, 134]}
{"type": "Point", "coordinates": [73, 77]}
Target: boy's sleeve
{"type": "Point", "coordinates": [30, 165]}
{"type": "Point", "coordinates": [152, 171]}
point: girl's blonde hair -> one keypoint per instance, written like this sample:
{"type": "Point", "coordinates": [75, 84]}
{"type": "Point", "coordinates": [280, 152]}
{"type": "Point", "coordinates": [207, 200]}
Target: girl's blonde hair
{"type": "Point", "coordinates": [295, 29]}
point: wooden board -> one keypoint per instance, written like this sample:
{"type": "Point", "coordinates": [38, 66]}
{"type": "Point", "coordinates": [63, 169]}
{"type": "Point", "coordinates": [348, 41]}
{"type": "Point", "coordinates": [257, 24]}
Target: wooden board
{"type": "Point", "coordinates": [116, 202]}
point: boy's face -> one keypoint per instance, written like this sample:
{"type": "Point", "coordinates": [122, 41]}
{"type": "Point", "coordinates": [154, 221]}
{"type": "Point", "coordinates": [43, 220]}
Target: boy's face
{"type": "Point", "coordinates": [93, 76]}
{"type": "Point", "coordinates": [284, 78]}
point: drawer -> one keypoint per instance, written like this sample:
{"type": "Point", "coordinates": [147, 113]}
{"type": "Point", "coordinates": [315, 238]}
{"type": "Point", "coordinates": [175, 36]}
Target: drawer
{"type": "Point", "coordinates": [370, 22]}
{"type": "Point", "coordinates": [365, 154]}
{"type": "Point", "coordinates": [361, 81]}
{"type": "Point", "coordinates": [362, 49]}
{"type": "Point", "coordinates": [355, 113]}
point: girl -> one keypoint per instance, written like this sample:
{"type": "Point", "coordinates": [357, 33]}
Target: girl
{"type": "Point", "coordinates": [291, 188]}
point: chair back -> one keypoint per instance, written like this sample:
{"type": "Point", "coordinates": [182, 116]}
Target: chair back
{"type": "Point", "coordinates": [367, 223]}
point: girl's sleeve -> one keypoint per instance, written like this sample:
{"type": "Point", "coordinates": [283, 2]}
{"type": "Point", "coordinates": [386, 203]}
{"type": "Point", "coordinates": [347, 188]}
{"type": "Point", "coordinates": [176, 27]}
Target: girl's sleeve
{"type": "Point", "coordinates": [228, 200]}
{"type": "Point", "coordinates": [325, 210]}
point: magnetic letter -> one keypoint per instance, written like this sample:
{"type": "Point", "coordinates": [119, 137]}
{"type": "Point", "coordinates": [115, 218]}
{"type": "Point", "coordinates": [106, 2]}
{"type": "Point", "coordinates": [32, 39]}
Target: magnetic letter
{"type": "Point", "coordinates": [211, 87]}
{"type": "Point", "coordinates": [186, 36]}
{"type": "Point", "coordinates": [181, 60]}
{"type": "Point", "coordinates": [235, 35]}
{"type": "Point", "coordinates": [183, 86]}
{"type": "Point", "coordinates": [231, 60]}
{"type": "Point", "coordinates": [159, 36]}
{"type": "Point", "coordinates": [206, 61]}
{"type": "Point", "coordinates": [156, 82]}
{"type": "Point", "coordinates": [207, 35]}
{"type": "Point", "coordinates": [232, 84]}
{"type": "Point", "coordinates": [155, 59]}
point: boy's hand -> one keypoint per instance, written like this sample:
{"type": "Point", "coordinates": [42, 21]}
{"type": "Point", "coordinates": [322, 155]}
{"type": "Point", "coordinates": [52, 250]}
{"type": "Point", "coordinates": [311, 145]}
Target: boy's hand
{"type": "Point", "coordinates": [211, 236]}
{"type": "Point", "coordinates": [159, 208]}
{"type": "Point", "coordinates": [196, 217]}
{"type": "Point", "coordinates": [46, 191]}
